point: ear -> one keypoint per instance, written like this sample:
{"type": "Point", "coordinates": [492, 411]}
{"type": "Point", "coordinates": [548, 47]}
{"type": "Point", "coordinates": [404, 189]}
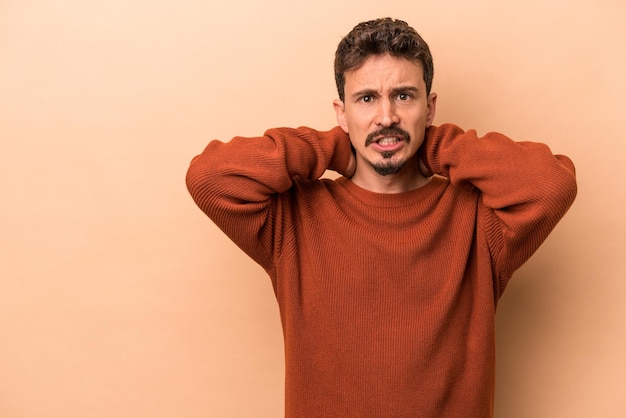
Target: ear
{"type": "Point", "coordinates": [432, 107]}
{"type": "Point", "coordinates": [340, 112]}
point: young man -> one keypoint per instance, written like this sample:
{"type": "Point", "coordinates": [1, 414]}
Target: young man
{"type": "Point", "coordinates": [387, 278]}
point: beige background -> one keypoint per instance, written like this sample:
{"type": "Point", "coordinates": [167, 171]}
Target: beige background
{"type": "Point", "coordinates": [118, 298]}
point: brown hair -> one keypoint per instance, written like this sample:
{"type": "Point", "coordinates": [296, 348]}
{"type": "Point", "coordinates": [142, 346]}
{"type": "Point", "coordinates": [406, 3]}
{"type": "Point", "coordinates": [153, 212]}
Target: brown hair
{"type": "Point", "coordinates": [379, 37]}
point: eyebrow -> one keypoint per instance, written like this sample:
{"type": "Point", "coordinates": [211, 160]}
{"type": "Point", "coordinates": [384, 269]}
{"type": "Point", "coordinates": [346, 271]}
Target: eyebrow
{"type": "Point", "coordinates": [364, 92]}
{"type": "Point", "coordinates": [405, 89]}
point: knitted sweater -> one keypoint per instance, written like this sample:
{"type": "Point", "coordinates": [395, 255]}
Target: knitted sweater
{"type": "Point", "coordinates": [387, 301]}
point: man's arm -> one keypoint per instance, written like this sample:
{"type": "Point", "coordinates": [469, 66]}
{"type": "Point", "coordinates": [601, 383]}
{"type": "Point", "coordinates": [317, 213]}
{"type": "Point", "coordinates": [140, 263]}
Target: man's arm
{"type": "Point", "coordinates": [525, 189]}
{"type": "Point", "coordinates": [234, 182]}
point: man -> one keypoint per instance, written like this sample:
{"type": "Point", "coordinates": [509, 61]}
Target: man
{"type": "Point", "coordinates": [387, 278]}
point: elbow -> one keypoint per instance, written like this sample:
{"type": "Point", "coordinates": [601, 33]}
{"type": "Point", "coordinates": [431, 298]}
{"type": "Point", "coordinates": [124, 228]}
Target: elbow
{"type": "Point", "coordinates": [198, 180]}
{"type": "Point", "coordinates": [563, 188]}
{"type": "Point", "coordinates": [192, 175]}
{"type": "Point", "coordinates": [568, 184]}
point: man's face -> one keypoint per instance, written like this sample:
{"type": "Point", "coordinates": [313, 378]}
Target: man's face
{"type": "Point", "coordinates": [386, 112]}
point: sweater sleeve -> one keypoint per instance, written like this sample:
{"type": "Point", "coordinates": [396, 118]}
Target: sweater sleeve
{"type": "Point", "coordinates": [525, 189]}
{"type": "Point", "coordinates": [237, 183]}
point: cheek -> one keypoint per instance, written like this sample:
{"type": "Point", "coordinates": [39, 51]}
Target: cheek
{"type": "Point", "coordinates": [361, 128]}
{"type": "Point", "coordinates": [358, 117]}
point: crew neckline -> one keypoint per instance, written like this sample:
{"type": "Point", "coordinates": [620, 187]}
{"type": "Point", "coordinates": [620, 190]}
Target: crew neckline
{"type": "Point", "coordinates": [390, 200]}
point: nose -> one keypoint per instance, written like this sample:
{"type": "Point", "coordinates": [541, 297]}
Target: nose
{"type": "Point", "coordinates": [387, 113]}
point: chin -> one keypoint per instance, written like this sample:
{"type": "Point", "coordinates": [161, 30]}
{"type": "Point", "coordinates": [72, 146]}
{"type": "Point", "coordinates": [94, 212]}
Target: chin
{"type": "Point", "coordinates": [387, 171]}
{"type": "Point", "coordinates": [386, 168]}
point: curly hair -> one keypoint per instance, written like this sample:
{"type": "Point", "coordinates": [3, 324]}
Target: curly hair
{"type": "Point", "coordinates": [378, 37]}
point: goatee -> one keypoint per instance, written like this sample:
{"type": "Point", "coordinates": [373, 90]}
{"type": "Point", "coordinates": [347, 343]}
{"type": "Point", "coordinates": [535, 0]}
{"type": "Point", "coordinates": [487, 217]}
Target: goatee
{"type": "Point", "coordinates": [386, 169]}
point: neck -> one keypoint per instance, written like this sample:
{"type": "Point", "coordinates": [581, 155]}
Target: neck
{"type": "Point", "coordinates": [407, 179]}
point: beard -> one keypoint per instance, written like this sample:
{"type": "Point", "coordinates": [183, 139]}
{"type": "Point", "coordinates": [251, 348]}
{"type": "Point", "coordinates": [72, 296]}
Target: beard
{"type": "Point", "coordinates": [388, 165]}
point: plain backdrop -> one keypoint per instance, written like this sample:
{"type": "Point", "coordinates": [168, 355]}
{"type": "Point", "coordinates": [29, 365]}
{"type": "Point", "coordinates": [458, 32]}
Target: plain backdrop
{"type": "Point", "coordinates": [119, 298]}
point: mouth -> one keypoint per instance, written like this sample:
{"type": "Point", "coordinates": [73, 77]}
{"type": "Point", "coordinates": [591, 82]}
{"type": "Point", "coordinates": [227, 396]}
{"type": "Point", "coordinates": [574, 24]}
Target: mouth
{"type": "Point", "coordinates": [387, 138]}
{"type": "Point", "coordinates": [387, 141]}
{"type": "Point", "coordinates": [387, 146]}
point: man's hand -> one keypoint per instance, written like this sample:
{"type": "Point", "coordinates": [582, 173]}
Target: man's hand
{"type": "Point", "coordinates": [351, 169]}
{"type": "Point", "coordinates": [426, 172]}
{"type": "Point", "coordinates": [421, 153]}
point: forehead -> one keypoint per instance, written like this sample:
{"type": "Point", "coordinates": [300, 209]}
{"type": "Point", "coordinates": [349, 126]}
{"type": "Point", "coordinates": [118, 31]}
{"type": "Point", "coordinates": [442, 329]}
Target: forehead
{"type": "Point", "coordinates": [380, 72]}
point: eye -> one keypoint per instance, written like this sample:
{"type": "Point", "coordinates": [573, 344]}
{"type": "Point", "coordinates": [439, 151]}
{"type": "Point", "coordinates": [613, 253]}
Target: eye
{"type": "Point", "coordinates": [404, 97]}
{"type": "Point", "coordinates": [367, 99]}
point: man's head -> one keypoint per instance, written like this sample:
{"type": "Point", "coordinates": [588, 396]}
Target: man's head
{"type": "Point", "coordinates": [384, 75]}
{"type": "Point", "coordinates": [380, 37]}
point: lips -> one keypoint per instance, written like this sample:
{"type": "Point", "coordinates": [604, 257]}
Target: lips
{"type": "Point", "coordinates": [387, 144]}
{"type": "Point", "coordinates": [387, 139]}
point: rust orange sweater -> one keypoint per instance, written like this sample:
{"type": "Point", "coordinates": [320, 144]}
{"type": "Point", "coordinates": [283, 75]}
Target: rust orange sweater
{"type": "Point", "coordinates": [387, 301]}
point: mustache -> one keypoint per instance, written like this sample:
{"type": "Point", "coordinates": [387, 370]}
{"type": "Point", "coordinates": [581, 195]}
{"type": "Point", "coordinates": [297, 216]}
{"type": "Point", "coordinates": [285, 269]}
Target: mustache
{"type": "Point", "coordinates": [387, 131]}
